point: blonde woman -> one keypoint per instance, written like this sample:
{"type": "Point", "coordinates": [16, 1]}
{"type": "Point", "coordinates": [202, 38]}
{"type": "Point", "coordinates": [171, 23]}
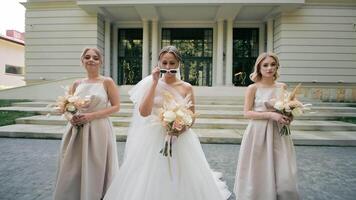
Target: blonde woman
{"type": "Point", "coordinates": [266, 168]}
{"type": "Point", "coordinates": [88, 157]}
{"type": "Point", "coordinates": [145, 173]}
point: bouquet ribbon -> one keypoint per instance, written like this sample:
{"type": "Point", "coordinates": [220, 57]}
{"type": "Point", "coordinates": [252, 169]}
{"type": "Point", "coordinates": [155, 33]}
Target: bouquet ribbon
{"type": "Point", "coordinates": [167, 150]}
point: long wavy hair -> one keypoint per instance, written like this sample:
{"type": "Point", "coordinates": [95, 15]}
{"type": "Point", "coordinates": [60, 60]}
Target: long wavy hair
{"type": "Point", "coordinates": [256, 75]}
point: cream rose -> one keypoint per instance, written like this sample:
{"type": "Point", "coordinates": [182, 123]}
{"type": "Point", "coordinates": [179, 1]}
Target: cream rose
{"type": "Point", "coordinates": [297, 111]}
{"type": "Point", "coordinates": [169, 116]}
{"type": "Point", "coordinates": [279, 105]}
{"type": "Point", "coordinates": [71, 108]}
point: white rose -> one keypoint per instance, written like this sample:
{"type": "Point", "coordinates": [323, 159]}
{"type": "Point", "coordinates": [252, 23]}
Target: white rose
{"type": "Point", "coordinates": [188, 120]}
{"type": "Point", "coordinates": [278, 105]}
{"type": "Point", "coordinates": [169, 116]}
{"type": "Point", "coordinates": [180, 113]}
{"type": "Point", "coordinates": [71, 108]}
{"type": "Point", "coordinates": [297, 111]}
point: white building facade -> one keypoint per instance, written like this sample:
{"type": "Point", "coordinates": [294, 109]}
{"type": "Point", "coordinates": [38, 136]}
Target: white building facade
{"type": "Point", "coordinates": [12, 59]}
{"type": "Point", "coordinates": [219, 39]}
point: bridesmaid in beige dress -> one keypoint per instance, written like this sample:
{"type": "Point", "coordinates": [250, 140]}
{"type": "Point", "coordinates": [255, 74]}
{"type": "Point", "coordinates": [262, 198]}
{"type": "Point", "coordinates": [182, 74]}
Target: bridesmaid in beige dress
{"type": "Point", "coordinates": [88, 157]}
{"type": "Point", "coordinates": [266, 168]}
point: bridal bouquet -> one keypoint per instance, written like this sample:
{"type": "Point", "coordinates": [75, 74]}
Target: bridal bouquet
{"type": "Point", "coordinates": [288, 105]}
{"type": "Point", "coordinates": [175, 118]}
{"type": "Point", "coordinates": [69, 105]}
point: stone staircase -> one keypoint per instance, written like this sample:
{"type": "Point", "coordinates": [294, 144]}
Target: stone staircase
{"type": "Point", "coordinates": [220, 121]}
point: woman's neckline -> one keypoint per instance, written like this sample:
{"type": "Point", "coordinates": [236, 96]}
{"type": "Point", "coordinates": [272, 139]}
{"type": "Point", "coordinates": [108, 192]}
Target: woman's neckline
{"type": "Point", "coordinates": [274, 85]}
{"type": "Point", "coordinates": [269, 87]}
{"type": "Point", "coordinates": [100, 79]}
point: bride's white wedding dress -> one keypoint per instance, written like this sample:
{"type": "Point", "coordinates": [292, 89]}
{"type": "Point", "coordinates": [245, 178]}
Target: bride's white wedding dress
{"type": "Point", "coordinates": [148, 175]}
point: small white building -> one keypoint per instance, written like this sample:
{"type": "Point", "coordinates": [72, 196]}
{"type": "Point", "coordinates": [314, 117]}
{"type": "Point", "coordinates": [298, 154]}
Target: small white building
{"type": "Point", "coordinates": [12, 59]}
{"type": "Point", "coordinates": [219, 40]}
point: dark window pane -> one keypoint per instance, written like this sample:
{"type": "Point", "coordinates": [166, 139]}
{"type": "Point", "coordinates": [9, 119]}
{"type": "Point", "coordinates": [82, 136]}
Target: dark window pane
{"type": "Point", "coordinates": [130, 56]}
{"type": "Point", "coordinates": [195, 45]}
{"type": "Point", "coordinates": [245, 52]}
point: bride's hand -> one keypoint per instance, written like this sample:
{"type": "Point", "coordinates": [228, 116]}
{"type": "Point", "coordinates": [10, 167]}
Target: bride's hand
{"type": "Point", "coordinates": [155, 73]}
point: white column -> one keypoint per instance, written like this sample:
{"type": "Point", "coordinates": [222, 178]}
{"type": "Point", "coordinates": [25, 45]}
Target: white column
{"type": "Point", "coordinates": [229, 41]}
{"type": "Point", "coordinates": [107, 63]}
{"type": "Point", "coordinates": [214, 55]}
{"type": "Point", "coordinates": [219, 54]}
{"type": "Point", "coordinates": [115, 54]}
{"type": "Point", "coordinates": [261, 45]}
{"type": "Point", "coordinates": [154, 43]}
{"type": "Point", "coordinates": [270, 35]}
{"type": "Point", "coordinates": [145, 50]}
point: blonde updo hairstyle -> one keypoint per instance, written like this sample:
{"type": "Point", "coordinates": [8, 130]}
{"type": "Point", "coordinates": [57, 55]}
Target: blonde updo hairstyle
{"type": "Point", "coordinates": [256, 75]}
{"type": "Point", "coordinates": [170, 49]}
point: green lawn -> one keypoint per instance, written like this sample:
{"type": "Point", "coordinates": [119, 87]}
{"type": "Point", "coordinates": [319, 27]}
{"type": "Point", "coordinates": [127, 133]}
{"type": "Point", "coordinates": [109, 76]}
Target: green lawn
{"type": "Point", "coordinates": [8, 117]}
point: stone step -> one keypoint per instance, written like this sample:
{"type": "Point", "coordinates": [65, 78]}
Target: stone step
{"type": "Point", "coordinates": [128, 103]}
{"type": "Point", "coordinates": [333, 104]}
{"type": "Point", "coordinates": [206, 123]}
{"type": "Point", "coordinates": [56, 131]}
{"type": "Point", "coordinates": [328, 109]}
{"type": "Point", "coordinates": [46, 107]}
{"type": "Point", "coordinates": [204, 112]}
{"type": "Point", "coordinates": [32, 104]}
{"type": "Point", "coordinates": [200, 109]}
{"type": "Point", "coordinates": [211, 100]}
{"type": "Point", "coordinates": [226, 136]}
{"type": "Point", "coordinates": [230, 114]}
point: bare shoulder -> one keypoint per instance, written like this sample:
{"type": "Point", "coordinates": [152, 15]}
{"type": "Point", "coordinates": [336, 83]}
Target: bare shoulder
{"type": "Point", "coordinates": [252, 88]}
{"type": "Point", "coordinates": [108, 81]}
{"type": "Point", "coordinates": [187, 86]}
{"type": "Point", "coordinates": [71, 88]}
{"type": "Point", "coordinates": [75, 84]}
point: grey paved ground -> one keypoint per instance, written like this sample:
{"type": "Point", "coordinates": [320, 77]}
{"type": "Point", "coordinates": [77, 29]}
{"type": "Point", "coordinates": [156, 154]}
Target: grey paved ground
{"type": "Point", "coordinates": [28, 169]}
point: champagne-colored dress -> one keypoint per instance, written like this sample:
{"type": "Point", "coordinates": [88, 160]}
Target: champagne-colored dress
{"type": "Point", "coordinates": [266, 168]}
{"type": "Point", "coordinates": [88, 157]}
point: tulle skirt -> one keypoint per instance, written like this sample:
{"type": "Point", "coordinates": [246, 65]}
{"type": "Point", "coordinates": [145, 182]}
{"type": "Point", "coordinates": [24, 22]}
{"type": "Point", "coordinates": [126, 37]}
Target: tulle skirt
{"type": "Point", "coordinates": [148, 175]}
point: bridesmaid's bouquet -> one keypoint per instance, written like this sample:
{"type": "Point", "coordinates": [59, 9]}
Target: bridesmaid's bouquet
{"type": "Point", "coordinates": [175, 118]}
{"type": "Point", "coordinates": [69, 105]}
{"type": "Point", "coordinates": [288, 105]}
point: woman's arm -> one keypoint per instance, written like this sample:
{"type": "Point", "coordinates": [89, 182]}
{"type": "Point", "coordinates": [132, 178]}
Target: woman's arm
{"type": "Point", "coordinates": [146, 105]}
{"type": "Point", "coordinates": [192, 99]}
{"type": "Point", "coordinates": [75, 119]}
{"type": "Point", "coordinates": [190, 93]}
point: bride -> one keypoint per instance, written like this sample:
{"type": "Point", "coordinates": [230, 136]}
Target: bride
{"type": "Point", "coordinates": [145, 173]}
